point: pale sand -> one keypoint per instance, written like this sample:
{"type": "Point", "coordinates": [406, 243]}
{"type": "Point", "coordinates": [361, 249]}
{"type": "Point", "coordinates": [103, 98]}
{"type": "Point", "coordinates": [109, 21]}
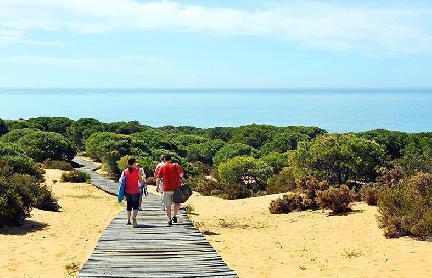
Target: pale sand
{"type": "Point", "coordinates": [256, 243]}
{"type": "Point", "coordinates": [69, 236]}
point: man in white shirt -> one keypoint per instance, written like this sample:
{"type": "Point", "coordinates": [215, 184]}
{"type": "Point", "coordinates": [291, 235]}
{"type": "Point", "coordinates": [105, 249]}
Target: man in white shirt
{"type": "Point", "coordinates": [159, 181]}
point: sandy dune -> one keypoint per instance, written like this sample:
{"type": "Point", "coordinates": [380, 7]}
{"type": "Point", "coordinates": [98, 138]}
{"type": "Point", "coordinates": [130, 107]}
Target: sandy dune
{"type": "Point", "coordinates": [49, 241]}
{"type": "Point", "coordinates": [256, 243]}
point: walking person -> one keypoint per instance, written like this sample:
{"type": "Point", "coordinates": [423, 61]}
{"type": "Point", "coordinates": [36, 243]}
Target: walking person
{"type": "Point", "coordinates": [159, 181]}
{"type": "Point", "coordinates": [142, 186]}
{"type": "Point", "coordinates": [171, 173]}
{"type": "Point", "coordinates": [132, 191]}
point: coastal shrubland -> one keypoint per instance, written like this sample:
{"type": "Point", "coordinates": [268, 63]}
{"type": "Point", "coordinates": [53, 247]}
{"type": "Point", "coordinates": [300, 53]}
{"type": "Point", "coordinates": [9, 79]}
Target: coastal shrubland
{"type": "Point", "coordinates": [76, 176]}
{"type": "Point", "coordinates": [312, 168]}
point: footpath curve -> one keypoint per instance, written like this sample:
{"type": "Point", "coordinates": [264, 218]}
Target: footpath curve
{"type": "Point", "coordinates": [153, 249]}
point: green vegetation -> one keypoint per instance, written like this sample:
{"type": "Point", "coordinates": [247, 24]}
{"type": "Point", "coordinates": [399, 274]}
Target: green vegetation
{"type": "Point", "coordinates": [314, 169]}
{"type": "Point", "coordinates": [76, 176]}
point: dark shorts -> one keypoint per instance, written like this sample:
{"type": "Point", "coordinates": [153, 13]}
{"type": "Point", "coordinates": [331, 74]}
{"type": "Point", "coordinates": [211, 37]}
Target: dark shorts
{"type": "Point", "coordinates": [132, 201]}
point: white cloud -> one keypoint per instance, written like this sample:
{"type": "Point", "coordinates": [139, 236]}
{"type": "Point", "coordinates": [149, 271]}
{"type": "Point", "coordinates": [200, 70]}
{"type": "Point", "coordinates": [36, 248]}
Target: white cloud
{"type": "Point", "coordinates": [318, 25]}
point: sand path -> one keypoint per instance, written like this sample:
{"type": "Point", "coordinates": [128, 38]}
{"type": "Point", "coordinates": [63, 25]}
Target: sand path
{"type": "Point", "coordinates": [50, 241]}
{"type": "Point", "coordinates": [256, 243]}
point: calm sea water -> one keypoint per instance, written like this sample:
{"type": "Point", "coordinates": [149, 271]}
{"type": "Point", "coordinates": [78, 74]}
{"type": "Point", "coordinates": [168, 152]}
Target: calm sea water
{"type": "Point", "coordinates": [334, 110]}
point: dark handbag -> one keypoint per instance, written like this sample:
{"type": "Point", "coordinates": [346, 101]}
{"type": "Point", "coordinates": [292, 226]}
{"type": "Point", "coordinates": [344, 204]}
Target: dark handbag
{"type": "Point", "coordinates": [187, 192]}
{"type": "Point", "coordinates": [178, 196]}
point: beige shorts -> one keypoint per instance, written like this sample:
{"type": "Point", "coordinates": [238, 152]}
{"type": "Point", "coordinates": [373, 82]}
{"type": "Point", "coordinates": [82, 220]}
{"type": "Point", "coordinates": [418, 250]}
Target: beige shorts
{"type": "Point", "coordinates": [167, 198]}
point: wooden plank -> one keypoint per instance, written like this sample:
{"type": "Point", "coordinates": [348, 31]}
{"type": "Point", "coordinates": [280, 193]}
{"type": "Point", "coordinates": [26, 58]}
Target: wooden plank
{"type": "Point", "coordinates": [153, 249]}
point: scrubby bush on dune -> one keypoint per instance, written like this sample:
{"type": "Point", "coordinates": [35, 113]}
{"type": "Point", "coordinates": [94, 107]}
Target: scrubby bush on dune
{"type": "Point", "coordinates": [406, 209]}
{"type": "Point", "coordinates": [76, 176]}
{"type": "Point", "coordinates": [394, 141]}
{"type": "Point", "coordinates": [47, 145]}
{"type": "Point", "coordinates": [109, 148]}
{"type": "Point", "coordinates": [145, 162]}
{"type": "Point", "coordinates": [370, 194]}
{"type": "Point", "coordinates": [222, 133]}
{"type": "Point", "coordinates": [337, 199]}
{"type": "Point", "coordinates": [207, 186]}
{"type": "Point", "coordinates": [245, 171]}
{"type": "Point", "coordinates": [340, 158]}
{"type": "Point", "coordinates": [157, 139]}
{"type": "Point", "coordinates": [3, 127]}
{"type": "Point", "coordinates": [283, 142]}
{"type": "Point", "coordinates": [77, 129]}
{"type": "Point", "coordinates": [41, 196]}
{"type": "Point", "coordinates": [276, 160]}
{"type": "Point", "coordinates": [124, 127]}
{"type": "Point", "coordinates": [282, 182]}
{"type": "Point", "coordinates": [229, 151]}
{"type": "Point", "coordinates": [253, 135]}
{"type": "Point", "coordinates": [21, 164]}
{"type": "Point", "coordinates": [57, 164]}
{"type": "Point", "coordinates": [19, 193]}
{"type": "Point", "coordinates": [51, 124]}
{"type": "Point", "coordinates": [417, 156]}
{"type": "Point", "coordinates": [293, 201]}
{"type": "Point", "coordinates": [14, 135]}
{"type": "Point", "coordinates": [204, 152]}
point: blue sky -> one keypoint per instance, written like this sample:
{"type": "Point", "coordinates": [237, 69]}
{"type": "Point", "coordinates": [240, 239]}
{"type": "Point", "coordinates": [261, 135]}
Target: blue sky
{"type": "Point", "coordinates": [215, 44]}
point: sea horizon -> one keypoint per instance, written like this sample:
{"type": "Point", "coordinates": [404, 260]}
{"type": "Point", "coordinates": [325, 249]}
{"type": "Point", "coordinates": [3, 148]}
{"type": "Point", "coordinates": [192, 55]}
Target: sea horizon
{"type": "Point", "coordinates": [333, 109]}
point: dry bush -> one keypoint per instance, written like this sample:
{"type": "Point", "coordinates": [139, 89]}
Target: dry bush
{"type": "Point", "coordinates": [370, 194]}
{"type": "Point", "coordinates": [76, 176]}
{"type": "Point", "coordinates": [207, 186]}
{"type": "Point", "coordinates": [406, 208]}
{"type": "Point", "coordinates": [57, 164]}
{"type": "Point", "coordinates": [290, 202]}
{"type": "Point", "coordinates": [337, 199]}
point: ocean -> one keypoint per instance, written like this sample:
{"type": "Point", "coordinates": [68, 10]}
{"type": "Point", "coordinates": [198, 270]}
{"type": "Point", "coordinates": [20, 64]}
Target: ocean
{"type": "Point", "coordinates": [336, 110]}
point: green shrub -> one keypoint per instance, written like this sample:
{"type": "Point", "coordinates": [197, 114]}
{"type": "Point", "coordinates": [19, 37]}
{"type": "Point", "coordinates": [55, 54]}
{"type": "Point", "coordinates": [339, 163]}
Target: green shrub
{"type": "Point", "coordinates": [41, 196]}
{"type": "Point", "coordinates": [204, 152]}
{"type": "Point", "coordinates": [45, 199]}
{"type": "Point", "coordinates": [370, 194]}
{"type": "Point", "coordinates": [283, 142]}
{"type": "Point", "coordinates": [146, 162]}
{"type": "Point", "coordinates": [21, 164]}
{"type": "Point", "coordinates": [109, 148]}
{"type": "Point", "coordinates": [290, 202]}
{"type": "Point", "coordinates": [245, 171]}
{"type": "Point", "coordinates": [10, 149]}
{"type": "Point", "coordinates": [157, 139]}
{"type": "Point", "coordinates": [208, 185]}
{"type": "Point", "coordinates": [13, 210]}
{"type": "Point", "coordinates": [77, 130]}
{"type": "Point", "coordinates": [233, 191]}
{"type": "Point", "coordinates": [18, 194]}
{"type": "Point", "coordinates": [406, 208]}
{"type": "Point", "coordinates": [57, 164]}
{"type": "Point", "coordinates": [253, 135]}
{"type": "Point", "coordinates": [3, 127]}
{"type": "Point", "coordinates": [76, 176]}
{"type": "Point", "coordinates": [51, 124]}
{"type": "Point", "coordinates": [339, 158]}
{"type": "Point", "coordinates": [276, 160]}
{"type": "Point", "coordinates": [47, 145]}
{"type": "Point", "coordinates": [229, 151]}
{"type": "Point", "coordinates": [337, 199]}
{"type": "Point", "coordinates": [14, 135]}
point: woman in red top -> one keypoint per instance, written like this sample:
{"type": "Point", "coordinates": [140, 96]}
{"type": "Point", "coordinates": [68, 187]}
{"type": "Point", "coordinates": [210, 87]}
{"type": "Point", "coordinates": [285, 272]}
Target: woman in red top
{"type": "Point", "coordinates": [132, 191]}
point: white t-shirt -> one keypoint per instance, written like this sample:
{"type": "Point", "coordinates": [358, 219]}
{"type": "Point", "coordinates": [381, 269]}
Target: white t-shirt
{"type": "Point", "coordinates": [156, 172]}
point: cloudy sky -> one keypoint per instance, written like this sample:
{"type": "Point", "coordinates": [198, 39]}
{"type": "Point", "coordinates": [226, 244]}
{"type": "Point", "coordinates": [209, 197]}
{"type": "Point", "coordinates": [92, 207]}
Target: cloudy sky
{"type": "Point", "coordinates": [215, 44]}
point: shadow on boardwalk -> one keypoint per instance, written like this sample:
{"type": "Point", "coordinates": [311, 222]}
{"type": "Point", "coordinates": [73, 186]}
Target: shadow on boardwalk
{"type": "Point", "coordinates": [153, 249]}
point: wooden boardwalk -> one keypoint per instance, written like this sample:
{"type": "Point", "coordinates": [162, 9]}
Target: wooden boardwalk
{"type": "Point", "coordinates": [153, 249]}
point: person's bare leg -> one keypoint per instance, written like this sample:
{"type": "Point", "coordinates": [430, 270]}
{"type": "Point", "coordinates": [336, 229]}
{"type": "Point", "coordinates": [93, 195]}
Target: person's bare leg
{"type": "Point", "coordinates": [168, 212]}
{"type": "Point", "coordinates": [129, 213]}
{"type": "Point", "coordinates": [176, 209]}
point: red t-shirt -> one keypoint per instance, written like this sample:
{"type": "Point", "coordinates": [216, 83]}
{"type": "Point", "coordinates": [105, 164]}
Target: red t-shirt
{"type": "Point", "coordinates": [171, 177]}
{"type": "Point", "coordinates": [132, 181]}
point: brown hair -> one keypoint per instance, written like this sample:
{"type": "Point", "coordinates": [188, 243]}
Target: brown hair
{"type": "Point", "coordinates": [131, 162]}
